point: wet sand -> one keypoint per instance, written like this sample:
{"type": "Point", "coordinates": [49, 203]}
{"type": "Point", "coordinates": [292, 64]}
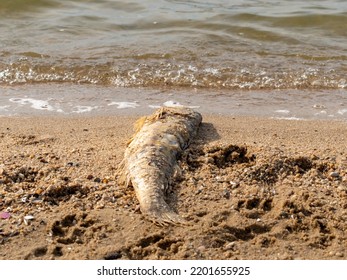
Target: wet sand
{"type": "Point", "coordinates": [251, 188]}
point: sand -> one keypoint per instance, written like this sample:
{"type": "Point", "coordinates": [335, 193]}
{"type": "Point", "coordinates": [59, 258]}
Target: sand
{"type": "Point", "coordinates": [250, 188]}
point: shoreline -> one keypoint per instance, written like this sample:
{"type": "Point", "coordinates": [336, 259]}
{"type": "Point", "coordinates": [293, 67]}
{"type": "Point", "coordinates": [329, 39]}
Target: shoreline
{"type": "Point", "coordinates": [251, 187]}
{"type": "Point", "coordinates": [71, 100]}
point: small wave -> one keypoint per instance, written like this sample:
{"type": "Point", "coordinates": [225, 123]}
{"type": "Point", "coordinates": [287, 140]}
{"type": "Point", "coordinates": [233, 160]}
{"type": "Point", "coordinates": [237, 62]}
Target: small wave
{"type": "Point", "coordinates": [34, 103]}
{"type": "Point", "coordinates": [175, 75]}
{"type": "Point", "coordinates": [124, 104]}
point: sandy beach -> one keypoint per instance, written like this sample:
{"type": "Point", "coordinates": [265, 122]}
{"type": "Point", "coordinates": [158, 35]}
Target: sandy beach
{"type": "Point", "coordinates": [251, 188]}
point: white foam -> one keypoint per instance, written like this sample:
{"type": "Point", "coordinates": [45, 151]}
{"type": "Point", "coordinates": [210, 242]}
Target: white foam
{"type": "Point", "coordinates": [4, 108]}
{"type": "Point", "coordinates": [282, 112]}
{"type": "Point", "coordinates": [35, 103]}
{"type": "Point", "coordinates": [154, 106]}
{"type": "Point", "coordinates": [323, 112]}
{"type": "Point", "coordinates": [192, 68]}
{"type": "Point", "coordinates": [124, 105]}
{"type": "Point", "coordinates": [288, 118]}
{"type": "Point", "coordinates": [172, 103]}
{"type": "Point", "coordinates": [319, 106]}
{"type": "Point", "coordinates": [83, 109]}
{"type": "Point", "coordinates": [342, 111]}
{"type": "Point", "coordinates": [212, 71]}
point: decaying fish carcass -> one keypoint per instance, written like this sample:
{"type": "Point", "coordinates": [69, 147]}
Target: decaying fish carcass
{"type": "Point", "coordinates": [150, 158]}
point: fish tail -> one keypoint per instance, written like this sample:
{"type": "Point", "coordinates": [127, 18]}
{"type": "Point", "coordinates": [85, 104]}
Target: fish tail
{"type": "Point", "coordinates": [160, 213]}
{"type": "Point", "coordinates": [166, 218]}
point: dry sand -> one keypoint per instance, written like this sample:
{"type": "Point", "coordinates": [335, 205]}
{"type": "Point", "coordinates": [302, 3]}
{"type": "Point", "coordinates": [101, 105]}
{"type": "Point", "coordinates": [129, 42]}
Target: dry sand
{"type": "Point", "coordinates": [251, 189]}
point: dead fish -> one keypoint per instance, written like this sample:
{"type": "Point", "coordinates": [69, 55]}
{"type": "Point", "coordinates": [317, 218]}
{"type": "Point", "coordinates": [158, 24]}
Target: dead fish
{"type": "Point", "coordinates": [150, 159]}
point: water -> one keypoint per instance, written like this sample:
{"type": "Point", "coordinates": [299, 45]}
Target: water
{"type": "Point", "coordinates": [230, 49]}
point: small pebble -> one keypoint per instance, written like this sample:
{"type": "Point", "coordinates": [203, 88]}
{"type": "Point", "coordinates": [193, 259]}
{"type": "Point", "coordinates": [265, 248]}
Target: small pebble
{"type": "Point", "coordinates": [226, 194]}
{"type": "Point", "coordinates": [200, 189]}
{"type": "Point", "coordinates": [27, 219]}
{"type": "Point", "coordinates": [99, 206]}
{"type": "Point", "coordinates": [201, 248]}
{"type": "Point", "coordinates": [105, 180]}
{"type": "Point", "coordinates": [339, 254]}
{"type": "Point", "coordinates": [5, 215]}
{"type": "Point", "coordinates": [37, 200]}
{"type": "Point", "coordinates": [230, 246]}
{"type": "Point", "coordinates": [39, 191]}
{"type": "Point", "coordinates": [73, 164]}
{"type": "Point", "coordinates": [97, 180]}
{"type": "Point", "coordinates": [219, 179]}
{"type": "Point", "coordinates": [335, 174]}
